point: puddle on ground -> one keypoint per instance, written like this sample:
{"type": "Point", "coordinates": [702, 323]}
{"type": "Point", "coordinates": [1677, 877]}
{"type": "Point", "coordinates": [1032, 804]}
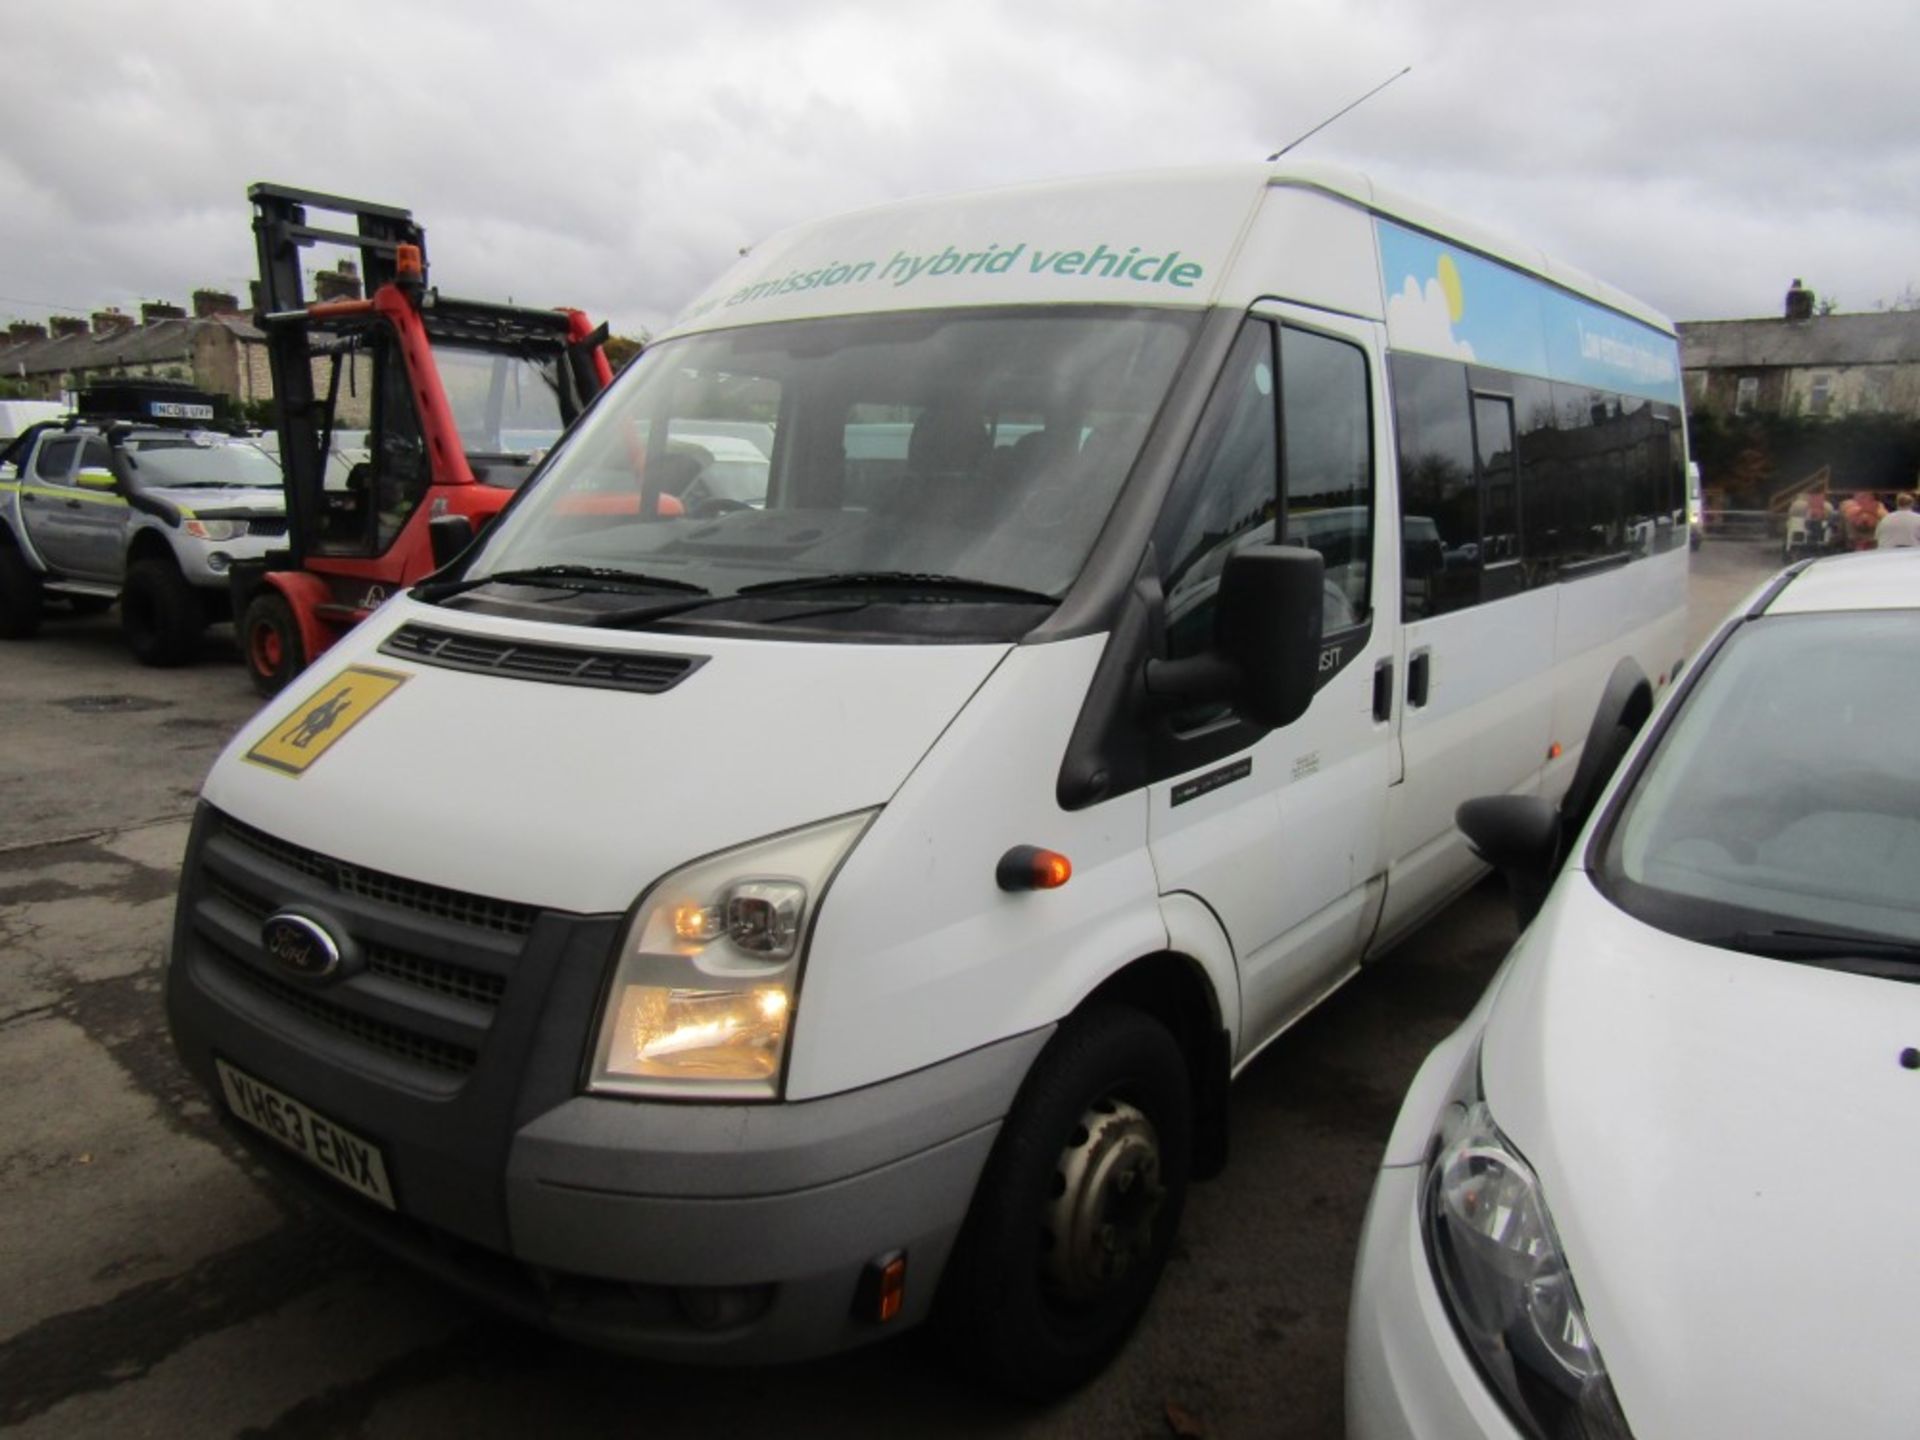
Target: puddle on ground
{"type": "Point", "coordinates": [111, 704]}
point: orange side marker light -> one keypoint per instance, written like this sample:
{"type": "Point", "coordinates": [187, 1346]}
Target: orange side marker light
{"type": "Point", "coordinates": [1028, 867]}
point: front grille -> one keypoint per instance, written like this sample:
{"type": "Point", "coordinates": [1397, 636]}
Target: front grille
{"type": "Point", "coordinates": [502, 916]}
{"type": "Point", "coordinates": [640, 671]}
{"type": "Point", "coordinates": [267, 525]}
{"type": "Point", "coordinates": [437, 962]}
{"type": "Point", "coordinates": [400, 1043]}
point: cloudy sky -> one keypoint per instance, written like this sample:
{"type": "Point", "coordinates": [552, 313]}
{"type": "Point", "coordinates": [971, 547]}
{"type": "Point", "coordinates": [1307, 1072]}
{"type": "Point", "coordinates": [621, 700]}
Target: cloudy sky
{"type": "Point", "coordinates": [616, 156]}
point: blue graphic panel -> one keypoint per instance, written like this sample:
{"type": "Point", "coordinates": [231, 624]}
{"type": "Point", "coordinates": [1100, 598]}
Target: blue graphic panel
{"type": "Point", "coordinates": [1444, 300]}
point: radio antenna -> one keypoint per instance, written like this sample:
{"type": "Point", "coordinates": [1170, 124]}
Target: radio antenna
{"type": "Point", "coordinates": [1337, 114]}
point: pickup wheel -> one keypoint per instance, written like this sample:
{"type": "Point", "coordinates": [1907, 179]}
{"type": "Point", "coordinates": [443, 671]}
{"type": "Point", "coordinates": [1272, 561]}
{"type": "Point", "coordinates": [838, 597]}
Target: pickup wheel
{"type": "Point", "coordinates": [270, 640]}
{"type": "Point", "coordinates": [161, 614]}
{"type": "Point", "coordinates": [19, 593]}
{"type": "Point", "coordinates": [1075, 1214]}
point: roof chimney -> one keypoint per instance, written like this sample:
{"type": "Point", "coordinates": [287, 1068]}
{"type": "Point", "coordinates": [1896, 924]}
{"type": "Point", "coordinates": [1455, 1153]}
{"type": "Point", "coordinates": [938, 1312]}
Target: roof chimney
{"type": "Point", "coordinates": [1799, 301]}
{"type": "Point", "coordinates": [152, 310]}
{"type": "Point", "coordinates": [110, 321]}
{"type": "Point", "coordinates": [23, 330]}
{"type": "Point", "coordinates": [340, 283]}
{"type": "Point", "coordinates": [208, 303]}
{"type": "Point", "coordinates": [66, 326]}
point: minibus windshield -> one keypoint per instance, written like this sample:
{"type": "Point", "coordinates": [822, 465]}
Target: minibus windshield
{"type": "Point", "coordinates": [983, 448]}
{"type": "Point", "coordinates": [1780, 814]}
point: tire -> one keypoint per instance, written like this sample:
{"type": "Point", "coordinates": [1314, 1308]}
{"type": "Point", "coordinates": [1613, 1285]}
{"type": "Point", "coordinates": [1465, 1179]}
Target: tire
{"type": "Point", "coordinates": [19, 593]}
{"type": "Point", "coordinates": [1076, 1211]}
{"type": "Point", "coordinates": [270, 642]}
{"type": "Point", "coordinates": [161, 614]}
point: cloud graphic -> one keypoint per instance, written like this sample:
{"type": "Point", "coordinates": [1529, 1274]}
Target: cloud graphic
{"type": "Point", "coordinates": [1421, 319]}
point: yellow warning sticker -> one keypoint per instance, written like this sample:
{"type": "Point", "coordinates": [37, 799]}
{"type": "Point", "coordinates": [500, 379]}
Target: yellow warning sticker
{"type": "Point", "coordinates": [319, 721]}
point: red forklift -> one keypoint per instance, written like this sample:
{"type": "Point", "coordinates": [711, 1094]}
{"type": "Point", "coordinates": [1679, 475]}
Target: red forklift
{"type": "Point", "coordinates": [461, 400]}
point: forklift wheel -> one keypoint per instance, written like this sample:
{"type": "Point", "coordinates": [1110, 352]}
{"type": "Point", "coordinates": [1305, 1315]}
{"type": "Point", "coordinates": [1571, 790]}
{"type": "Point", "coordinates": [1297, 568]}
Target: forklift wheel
{"type": "Point", "coordinates": [270, 639]}
{"type": "Point", "coordinates": [19, 593]}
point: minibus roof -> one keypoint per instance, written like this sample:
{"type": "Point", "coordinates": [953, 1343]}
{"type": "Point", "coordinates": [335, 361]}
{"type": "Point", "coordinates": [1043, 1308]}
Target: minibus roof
{"type": "Point", "coordinates": [1164, 237]}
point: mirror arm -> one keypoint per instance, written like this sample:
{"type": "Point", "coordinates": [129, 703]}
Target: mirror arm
{"type": "Point", "coordinates": [1207, 676]}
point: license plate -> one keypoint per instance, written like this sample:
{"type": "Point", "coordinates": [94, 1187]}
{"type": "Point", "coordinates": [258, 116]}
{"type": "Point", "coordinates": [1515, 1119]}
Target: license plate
{"type": "Point", "coordinates": [354, 1162]}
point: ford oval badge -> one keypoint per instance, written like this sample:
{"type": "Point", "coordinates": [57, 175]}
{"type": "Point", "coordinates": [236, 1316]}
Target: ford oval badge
{"type": "Point", "coordinates": [301, 945]}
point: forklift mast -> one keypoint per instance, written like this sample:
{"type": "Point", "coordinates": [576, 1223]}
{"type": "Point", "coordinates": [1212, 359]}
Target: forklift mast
{"type": "Point", "coordinates": [281, 230]}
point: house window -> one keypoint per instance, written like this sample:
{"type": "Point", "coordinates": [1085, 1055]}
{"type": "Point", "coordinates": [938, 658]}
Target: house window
{"type": "Point", "coordinates": [1820, 393]}
{"type": "Point", "coordinates": [1746, 394]}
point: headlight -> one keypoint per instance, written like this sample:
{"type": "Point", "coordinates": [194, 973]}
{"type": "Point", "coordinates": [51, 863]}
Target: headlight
{"type": "Point", "coordinates": [1506, 1282]}
{"type": "Point", "coordinates": [215, 529]}
{"type": "Point", "coordinates": [703, 993]}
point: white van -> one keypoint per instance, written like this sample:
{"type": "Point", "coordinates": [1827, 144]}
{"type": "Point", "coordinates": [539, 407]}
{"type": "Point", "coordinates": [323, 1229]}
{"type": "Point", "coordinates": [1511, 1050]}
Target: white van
{"type": "Point", "coordinates": [736, 932]}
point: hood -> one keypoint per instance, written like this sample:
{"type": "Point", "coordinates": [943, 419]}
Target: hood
{"type": "Point", "coordinates": [575, 797]}
{"type": "Point", "coordinates": [1730, 1149]}
{"type": "Point", "coordinates": [205, 501]}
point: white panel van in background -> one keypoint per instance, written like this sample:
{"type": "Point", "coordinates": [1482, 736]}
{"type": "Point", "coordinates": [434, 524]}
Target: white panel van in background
{"type": "Point", "coordinates": [734, 922]}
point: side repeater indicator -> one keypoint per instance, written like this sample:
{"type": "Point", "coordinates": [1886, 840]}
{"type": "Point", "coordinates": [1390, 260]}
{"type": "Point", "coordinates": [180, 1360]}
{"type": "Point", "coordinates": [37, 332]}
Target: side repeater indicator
{"type": "Point", "coordinates": [1028, 867]}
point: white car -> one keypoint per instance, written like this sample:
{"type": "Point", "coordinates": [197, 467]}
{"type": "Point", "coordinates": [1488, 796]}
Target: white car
{"type": "Point", "coordinates": [1662, 1182]}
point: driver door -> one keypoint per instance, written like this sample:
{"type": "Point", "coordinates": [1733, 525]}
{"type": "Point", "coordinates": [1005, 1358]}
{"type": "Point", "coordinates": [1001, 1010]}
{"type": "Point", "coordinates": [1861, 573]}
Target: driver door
{"type": "Point", "coordinates": [1280, 832]}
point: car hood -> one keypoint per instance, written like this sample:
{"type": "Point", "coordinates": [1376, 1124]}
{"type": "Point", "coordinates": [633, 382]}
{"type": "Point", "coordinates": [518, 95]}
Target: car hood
{"type": "Point", "coordinates": [575, 797]}
{"type": "Point", "coordinates": [205, 500]}
{"type": "Point", "coordinates": [1727, 1145]}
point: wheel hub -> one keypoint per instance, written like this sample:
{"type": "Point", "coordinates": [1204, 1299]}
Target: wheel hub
{"type": "Point", "coordinates": [1098, 1224]}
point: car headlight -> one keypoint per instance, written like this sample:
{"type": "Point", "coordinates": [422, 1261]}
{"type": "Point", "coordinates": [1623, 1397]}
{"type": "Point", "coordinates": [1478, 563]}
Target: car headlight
{"type": "Point", "coordinates": [1505, 1281]}
{"type": "Point", "coordinates": [215, 529]}
{"type": "Point", "coordinates": [703, 993]}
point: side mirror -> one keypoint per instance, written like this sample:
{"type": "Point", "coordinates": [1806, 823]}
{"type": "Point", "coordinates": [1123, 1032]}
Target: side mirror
{"type": "Point", "coordinates": [448, 535]}
{"type": "Point", "coordinates": [95, 478]}
{"type": "Point", "coordinates": [1264, 660]}
{"type": "Point", "coordinates": [1519, 835]}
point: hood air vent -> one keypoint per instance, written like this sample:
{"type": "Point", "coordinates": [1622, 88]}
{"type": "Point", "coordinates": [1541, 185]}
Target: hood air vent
{"type": "Point", "coordinates": [555, 664]}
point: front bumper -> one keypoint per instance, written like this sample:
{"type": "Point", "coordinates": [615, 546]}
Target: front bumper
{"type": "Point", "coordinates": [724, 1232]}
{"type": "Point", "coordinates": [1408, 1376]}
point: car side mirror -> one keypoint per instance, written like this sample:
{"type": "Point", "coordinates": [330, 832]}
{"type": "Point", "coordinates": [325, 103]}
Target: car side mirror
{"type": "Point", "coordinates": [447, 536]}
{"type": "Point", "coordinates": [1519, 835]}
{"type": "Point", "coordinates": [95, 478]}
{"type": "Point", "coordinates": [1265, 655]}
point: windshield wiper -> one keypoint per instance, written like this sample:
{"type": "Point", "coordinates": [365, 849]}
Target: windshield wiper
{"type": "Point", "coordinates": [579, 577]}
{"type": "Point", "coordinates": [985, 590]}
{"type": "Point", "coordinates": [1816, 946]}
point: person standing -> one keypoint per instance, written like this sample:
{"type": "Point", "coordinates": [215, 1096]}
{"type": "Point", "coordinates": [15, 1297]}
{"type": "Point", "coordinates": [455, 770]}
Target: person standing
{"type": "Point", "coordinates": [1901, 529]}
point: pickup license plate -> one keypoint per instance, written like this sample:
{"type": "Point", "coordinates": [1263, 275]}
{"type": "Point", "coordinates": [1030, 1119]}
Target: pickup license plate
{"type": "Point", "coordinates": [354, 1162]}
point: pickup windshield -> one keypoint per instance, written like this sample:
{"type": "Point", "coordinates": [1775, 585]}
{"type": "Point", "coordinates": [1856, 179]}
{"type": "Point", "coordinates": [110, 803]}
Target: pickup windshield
{"type": "Point", "coordinates": [1780, 814]}
{"type": "Point", "coordinates": [212, 463]}
{"type": "Point", "coordinates": [980, 446]}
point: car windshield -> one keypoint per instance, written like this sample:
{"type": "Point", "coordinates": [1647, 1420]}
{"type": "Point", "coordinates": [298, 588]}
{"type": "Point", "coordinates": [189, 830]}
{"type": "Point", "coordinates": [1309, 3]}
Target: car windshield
{"type": "Point", "coordinates": [1783, 802]}
{"type": "Point", "coordinates": [983, 446]}
{"type": "Point", "coordinates": [201, 462]}
{"type": "Point", "coordinates": [503, 404]}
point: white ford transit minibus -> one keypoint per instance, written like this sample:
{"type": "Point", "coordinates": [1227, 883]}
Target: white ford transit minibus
{"type": "Point", "coordinates": [735, 926]}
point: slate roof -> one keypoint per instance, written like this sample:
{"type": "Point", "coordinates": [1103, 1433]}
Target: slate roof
{"type": "Point", "coordinates": [150, 344]}
{"type": "Point", "coordinates": [1890, 338]}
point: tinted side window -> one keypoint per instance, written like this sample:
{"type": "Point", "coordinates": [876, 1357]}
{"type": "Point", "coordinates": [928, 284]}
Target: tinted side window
{"type": "Point", "coordinates": [1227, 490]}
{"type": "Point", "coordinates": [95, 454]}
{"type": "Point", "coordinates": [1542, 482]}
{"type": "Point", "coordinates": [1328, 449]}
{"type": "Point", "coordinates": [1439, 496]}
{"type": "Point", "coordinates": [56, 459]}
{"type": "Point", "coordinates": [1499, 496]}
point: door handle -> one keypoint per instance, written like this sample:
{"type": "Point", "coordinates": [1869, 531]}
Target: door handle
{"type": "Point", "coordinates": [1383, 691]}
{"type": "Point", "coordinates": [1418, 675]}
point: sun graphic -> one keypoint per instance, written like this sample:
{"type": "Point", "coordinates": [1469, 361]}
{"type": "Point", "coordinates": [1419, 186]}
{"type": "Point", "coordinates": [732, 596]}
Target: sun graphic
{"type": "Point", "coordinates": [1449, 276]}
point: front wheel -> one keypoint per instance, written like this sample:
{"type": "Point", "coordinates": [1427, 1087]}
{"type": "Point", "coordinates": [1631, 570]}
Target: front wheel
{"type": "Point", "coordinates": [160, 614]}
{"type": "Point", "coordinates": [270, 639]}
{"type": "Point", "coordinates": [19, 593]}
{"type": "Point", "coordinates": [1076, 1212]}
